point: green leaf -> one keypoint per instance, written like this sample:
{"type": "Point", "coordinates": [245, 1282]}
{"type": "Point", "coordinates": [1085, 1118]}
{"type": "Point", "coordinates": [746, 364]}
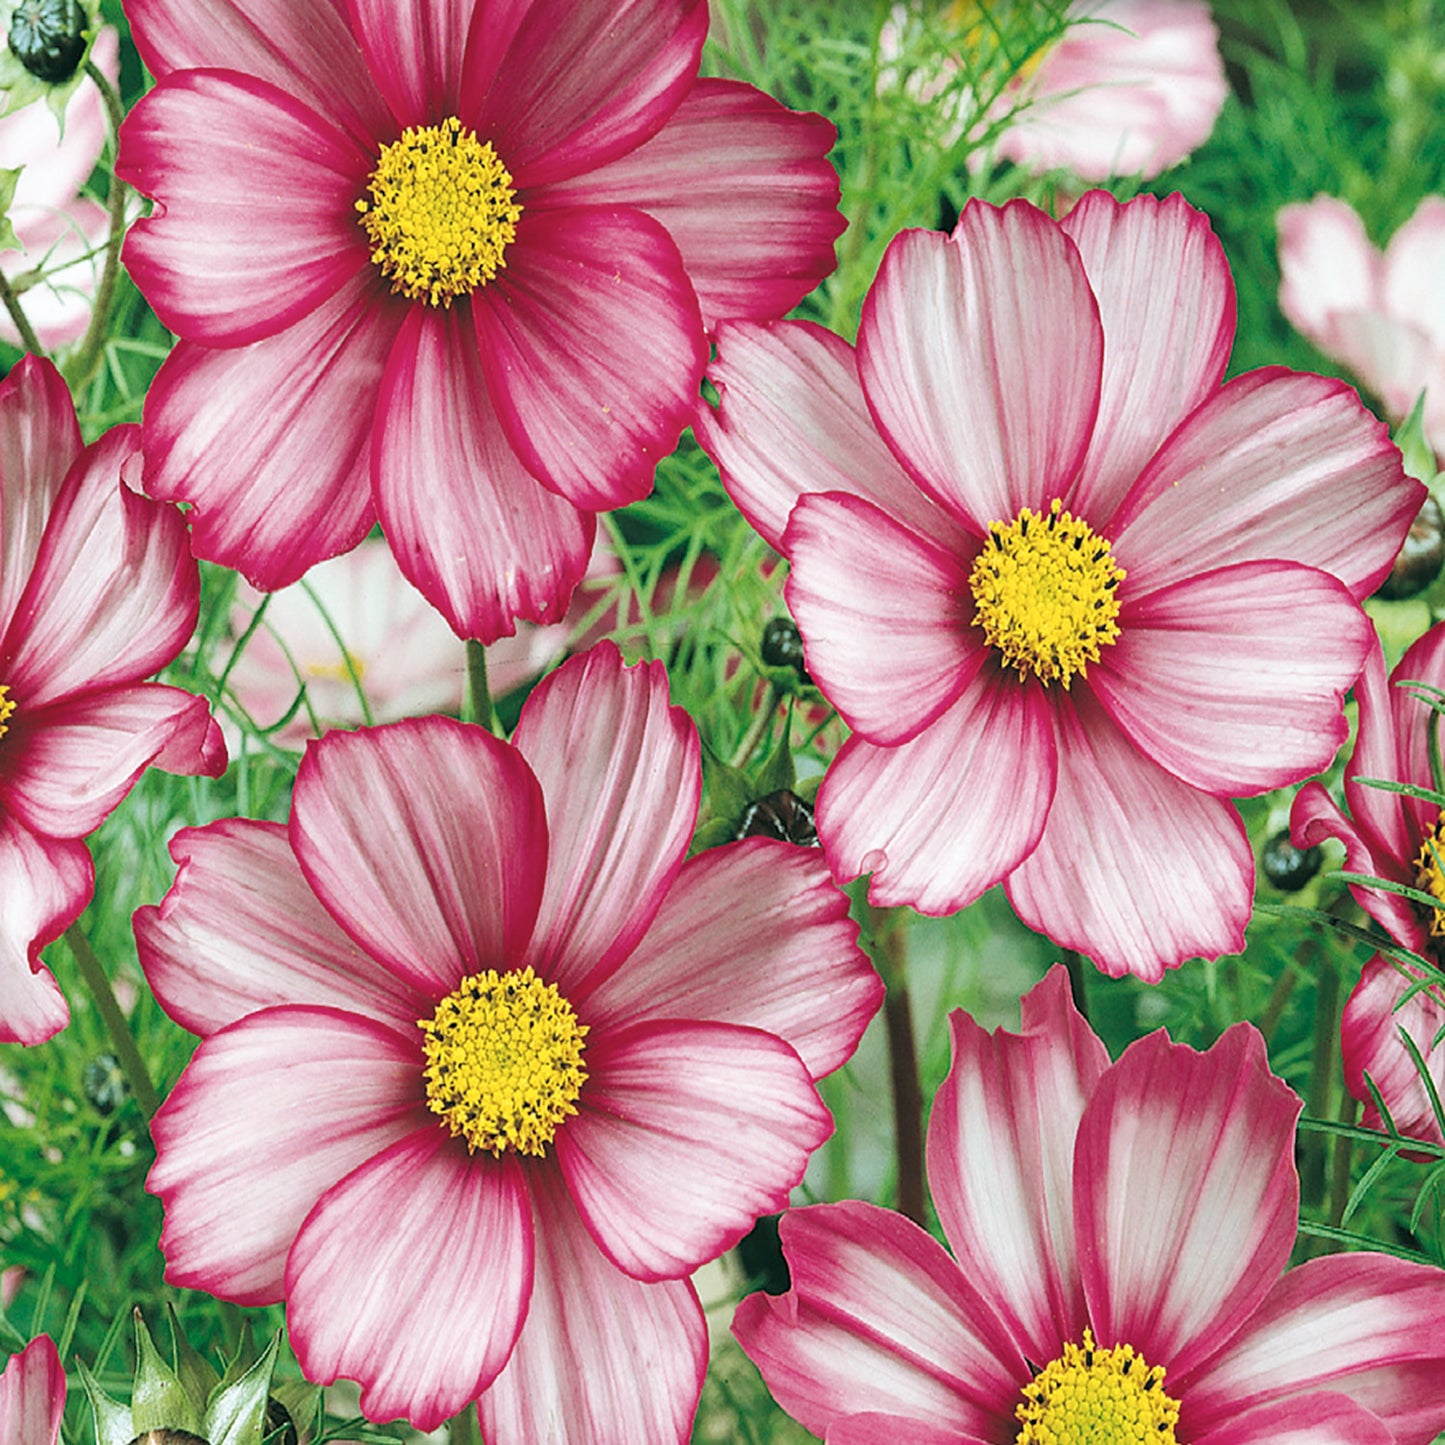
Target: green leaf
{"type": "Point", "coordinates": [159, 1400]}
{"type": "Point", "coordinates": [9, 178]}
{"type": "Point", "coordinates": [236, 1413]}
{"type": "Point", "coordinates": [113, 1424]}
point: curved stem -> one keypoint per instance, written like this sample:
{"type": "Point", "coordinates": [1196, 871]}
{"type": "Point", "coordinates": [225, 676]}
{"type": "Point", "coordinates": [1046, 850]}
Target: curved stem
{"type": "Point", "coordinates": [477, 702]}
{"type": "Point", "coordinates": [28, 339]}
{"type": "Point", "coordinates": [116, 1025]}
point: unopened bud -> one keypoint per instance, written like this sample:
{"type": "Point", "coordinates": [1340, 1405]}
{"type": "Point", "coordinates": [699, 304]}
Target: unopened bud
{"type": "Point", "coordinates": [1419, 559]}
{"type": "Point", "coordinates": [1286, 867]}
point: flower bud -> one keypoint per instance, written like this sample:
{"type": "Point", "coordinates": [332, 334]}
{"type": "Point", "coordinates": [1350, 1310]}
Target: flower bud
{"type": "Point", "coordinates": [1286, 867]}
{"type": "Point", "coordinates": [783, 646]}
{"type": "Point", "coordinates": [1418, 563]}
{"type": "Point", "coordinates": [104, 1083]}
{"type": "Point", "coordinates": [48, 37]}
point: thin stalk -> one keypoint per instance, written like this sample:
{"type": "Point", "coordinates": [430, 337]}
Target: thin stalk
{"type": "Point", "coordinates": [1074, 962]}
{"type": "Point", "coordinates": [465, 1429]}
{"type": "Point", "coordinates": [98, 982]}
{"type": "Point", "coordinates": [1322, 1075]}
{"type": "Point", "coordinates": [889, 955]}
{"type": "Point", "coordinates": [1340, 1163]}
{"type": "Point", "coordinates": [28, 339]}
{"type": "Point", "coordinates": [477, 704]}
{"type": "Point", "coordinates": [757, 730]}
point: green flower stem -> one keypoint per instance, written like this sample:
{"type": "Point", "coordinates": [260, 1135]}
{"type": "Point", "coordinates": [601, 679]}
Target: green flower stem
{"type": "Point", "coordinates": [1325, 1061]}
{"type": "Point", "coordinates": [98, 982]}
{"type": "Point", "coordinates": [757, 730]}
{"type": "Point", "coordinates": [1341, 1161]}
{"type": "Point", "coordinates": [465, 1429]}
{"type": "Point", "coordinates": [477, 704]}
{"type": "Point", "coordinates": [28, 339]}
{"type": "Point", "coordinates": [1078, 968]}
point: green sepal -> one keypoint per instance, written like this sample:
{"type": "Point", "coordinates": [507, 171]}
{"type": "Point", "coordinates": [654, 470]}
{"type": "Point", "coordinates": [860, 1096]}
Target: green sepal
{"type": "Point", "coordinates": [236, 1412]}
{"type": "Point", "coordinates": [807, 788]}
{"type": "Point", "coordinates": [729, 790]}
{"type": "Point", "coordinates": [1418, 455]}
{"type": "Point", "coordinates": [9, 179]}
{"type": "Point", "coordinates": [777, 773]}
{"type": "Point", "coordinates": [113, 1424]}
{"type": "Point", "coordinates": [242, 1360]}
{"type": "Point", "coordinates": [159, 1400]}
{"type": "Point", "coordinates": [196, 1373]}
{"type": "Point", "coordinates": [299, 1399]}
{"type": "Point", "coordinates": [712, 834]}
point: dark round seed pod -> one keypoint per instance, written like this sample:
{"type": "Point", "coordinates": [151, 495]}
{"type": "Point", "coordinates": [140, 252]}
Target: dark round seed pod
{"type": "Point", "coordinates": [1288, 868]}
{"type": "Point", "coordinates": [783, 646]}
{"type": "Point", "coordinates": [1419, 559]}
{"type": "Point", "coordinates": [48, 37]}
{"type": "Point", "coordinates": [779, 815]}
{"type": "Point", "coordinates": [105, 1083]}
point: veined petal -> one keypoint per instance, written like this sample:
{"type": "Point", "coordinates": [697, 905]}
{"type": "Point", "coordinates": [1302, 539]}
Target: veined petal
{"type": "Point", "coordinates": [1412, 261]}
{"type": "Point", "coordinates": [757, 934]}
{"type": "Point", "coordinates": [32, 1395]}
{"type": "Point", "coordinates": [685, 1133]}
{"type": "Point", "coordinates": [1327, 265]}
{"type": "Point", "coordinates": [1135, 868]}
{"type": "Point", "coordinates": [1391, 745]}
{"type": "Point", "coordinates": [602, 1357]}
{"type": "Point", "coordinates": [268, 1115]}
{"type": "Point", "coordinates": [1325, 1418]}
{"type": "Point", "coordinates": [415, 54]}
{"type": "Point", "coordinates": [948, 814]}
{"type": "Point", "coordinates": [241, 930]}
{"type": "Point", "coordinates": [621, 775]}
{"type": "Point", "coordinates": [980, 354]}
{"type": "Point", "coordinates": [874, 1428]}
{"type": "Point", "coordinates": [471, 528]}
{"type": "Point", "coordinates": [593, 350]}
{"type": "Point", "coordinates": [411, 1276]}
{"type": "Point", "coordinates": [427, 842]}
{"type": "Point", "coordinates": [885, 616]}
{"type": "Point", "coordinates": [879, 1319]}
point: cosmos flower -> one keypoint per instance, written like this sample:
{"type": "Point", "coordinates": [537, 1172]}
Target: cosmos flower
{"type": "Point", "coordinates": [1378, 313]}
{"type": "Point", "coordinates": [1070, 592]}
{"type": "Point", "coordinates": [487, 1069]}
{"type": "Point", "coordinates": [452, 272]}
{"type": "Point", "coordinates": [97, 592]}
{"type": "Point", "coordinates": [1397, 838]}
{"type": "Point", "coordinates": [32, 1395]}
{"type": "Point", "coordinates": [1120, 1234]}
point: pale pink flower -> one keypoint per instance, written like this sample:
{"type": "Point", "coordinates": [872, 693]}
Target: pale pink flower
{"type": "Point", "coordinates": [97, 592]}
{"type": "Point", "coordinates": [1381, 314]}
{"type": "Point", "coordinates": [1070, 712]}
{"type": "Point", "coordinates": [32, 1395]}
{"type": "Point", "coordinates": [1110, 1223]}
{"type": "Point", "coordinates": [302, 1156]}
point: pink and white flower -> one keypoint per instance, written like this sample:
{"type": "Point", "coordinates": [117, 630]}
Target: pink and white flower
{"type": "Point", "coordinates": [1111, 1224]}
{"type": "Point", "coordinates": [1071, 593]}
{"type": "Point", "coordinates": [441, 1248]}
{"type": "Point", "coordinates": [1379, 313]}
{"type": "Point", "coordinates": [1398, 838]}
{"type": "Point", "coordinates": [32, 1395]}
{"type": "Point", "coordinates": [454, 273]}
{"type": "Point", "coordinates": [97, 592]}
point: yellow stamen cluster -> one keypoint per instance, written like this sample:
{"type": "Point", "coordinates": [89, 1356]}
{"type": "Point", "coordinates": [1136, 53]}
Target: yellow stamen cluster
{"type": "Point", "coordinates": [976, 23]}
{"type": "Point", "coordinates": [504, 1061]}
{"type": "Point", "coordinates": [1045, 586]}
{"type": "Point", "coordinates": [6, 708]}
{"type": "Point", "coordinates": [1428, 877]}
{"type": "Point", "coordinates": [1090, 1396]}
{"type": "Point", "coordinates": [441, 212]}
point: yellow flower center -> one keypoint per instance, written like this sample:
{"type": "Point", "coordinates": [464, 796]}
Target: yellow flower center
{"type": "Point", "coordinates": [441, 212]}
{"type": "Point", "coordinates": [1428, 876]}
{"type": "Point", "coordinates": [1046, 589]}
{"type": "Point", "coordinates": [974, 23]}
{"type": "Point", "coordinates": [1090, 1396]}
{"type": "Point", "coordinates": [350, 666]}
{"type": "Point", "coordinates": [504, 1061]}
{"type": "Point", "coordinates": [6, 708]}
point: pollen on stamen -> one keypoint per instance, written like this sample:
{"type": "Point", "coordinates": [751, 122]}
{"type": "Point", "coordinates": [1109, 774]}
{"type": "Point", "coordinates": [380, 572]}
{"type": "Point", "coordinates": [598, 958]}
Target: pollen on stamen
{"type": "Point", "coordinates": [7, 707]}
{"type": "Point", "coordinates": [1090, 1395]}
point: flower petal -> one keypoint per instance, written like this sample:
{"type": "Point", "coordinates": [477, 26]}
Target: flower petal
{"type": "Point", "coordinates": [980, 354]}
{"type": "Point", "coordinates": [240, 930]}
{"type": "Point", "coordinates": [686, 1132]}
{"type": "Point", "coordinates": [1327, 265]}
{"type": "Point", "coordinates": [415, 54]}
{"type": "Point", "coordinates": [1405, 719]}
{"type": "Point", "coordinates": [427, 842]}
{"type": "Point", "coordinates": [411, 1276]}
{"type": "Point", "coordinates": [602, 1357]}
{"type": "Point", "coordinates": [621, 775]}
{"type": "Point", "coordinates": [1135, 868]}
{"type": "Point", "coordinates": [1322, 1419]}
{"type": "Point", "coordinates": [879, 1319]}
{"type": "Point", "coordinates": [481, 538]}
{"type": "Point", "coordinates": [757, 934]}
{"type": "Point", "coordinates": [1412, 262]}
{"type": "Point", "coordinates": [32, 1394]}
{"type": "Point", "coordinates": [268, 1115]}
{"type": "Point", "coordinates": [593, 350]}
{"type": "Point", "coordinates": [874, 1428]}
{"type": "Point", "coordinates": [1185, 1194]}
{"type": "Point", "coordinates": [1276, 465]}
{"type": "Point", "coordinates": [948, 814]}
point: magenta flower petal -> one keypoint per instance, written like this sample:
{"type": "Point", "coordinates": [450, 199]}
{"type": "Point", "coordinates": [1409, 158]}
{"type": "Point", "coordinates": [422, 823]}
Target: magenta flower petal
{"type": "Point", "coordinates": [873, 1428]}
{"type": "Point", "coordinates": [241, 930]}
{"type": "Point", "coordinates": [414, 54]}
{"type": "Point", "coordinates": [1134, 867]}
{"type": "Point", "coordinates": [271, 262]}
{"type": "Point", "coordinates": [431, 889]}
{"type": "Point", "coordinates": [796, 971]}
{"type": "Point", "coordinates": [621, 775]}
{"type": "Point", "coordinates": [1322, 1419]}
{"type": "Point", "coordinates": [1404, 718]}
{"type": "Point", "coordinates": [592, 347]}
{"type": "Point", "coordinates": [939, 819]}
{"type": "Point", "coordinates": [952, 327]}
{"type": "Point", "coordinates": [502, 546]}
{"type": "Point", "coordinates": [32, 1395]}
{"type": "Point", "coordinates": [617, 1360]}
{"type": "Point", "coordinates": [426, 1235]}
{"type": "Point", "coordinates": [269, 1114]}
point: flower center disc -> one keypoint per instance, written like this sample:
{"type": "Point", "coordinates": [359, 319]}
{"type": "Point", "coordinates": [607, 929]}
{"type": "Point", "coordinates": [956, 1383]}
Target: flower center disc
{"type": "Point", "coordinates": [1428, 876]}
{"type": "Point", "coordinates": [6, 708]}
{"type": "Point", "coordinates": [1045, 586]}
{"type": "Point", "coordinates": [1090, 1396]}
{"type": "Point", "coordinates": [504, 1061]}
{"type": "Point", "coordinates": [441, 212]}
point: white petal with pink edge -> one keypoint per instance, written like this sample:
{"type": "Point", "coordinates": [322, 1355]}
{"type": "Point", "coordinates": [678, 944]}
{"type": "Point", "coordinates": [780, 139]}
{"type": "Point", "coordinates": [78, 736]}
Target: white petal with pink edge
{"type": "Point", "coordinates": [755, 933]}
{"type": "Point", "coordinates": [601, 1358]}
{"type": "Point", "coordinates": [1327, 265]}
{"type": "Point", "coordinates": [1390, 746]}
{"type": "Point", "coordinates": [1411, 268]}
{"type": "Point", "coordinates": [619, 769]}
{"type": "Point", "coordinates": [980, 355]}
{"type": "Point", "coordinates": [268, 1115]}
{"type": "Point", "coordinates": [241, 930]}
{"type": "Point", "coordinates": [415, 54]}
{"type": "Point", "coordinates": [427, 842]}
{"type": "Point", "coordinates": [1135, 869]}
{"type": "Point", "coordinates": [32, 1395]}
{"type": "Point", "coordinates": [480, 537]}
{"type": "Point", "coordinates": [873, 1428]}
{"type": "Point", "coordinates": [946, 815]}
{"type": "Point", "coordinates": [879, 1320]}
{"type": "Point", "coordinates": [1325, 1418]}
{"type": "Point", "coordinates": [412, 1275]}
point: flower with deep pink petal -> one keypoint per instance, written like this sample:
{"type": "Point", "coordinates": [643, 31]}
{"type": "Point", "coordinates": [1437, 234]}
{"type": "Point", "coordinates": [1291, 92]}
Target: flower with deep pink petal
{"type": "Point", "coordinates": [1119, 1231]}
{"type": "Point", "coordinates": [442, 1246]}
{"type": "Point", "coordinates": [1399, 839]}
{"type": "Point", "coordinates": [97, 592]}
{"type": "Point", "coordinates": [32, 1395]}
{"type": "Point", "coordinates": [1071, 593]}
{"type": "Point", "coordinates": [1379, 313]}
{"type": "Point", "coordinates": [449, 267]}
